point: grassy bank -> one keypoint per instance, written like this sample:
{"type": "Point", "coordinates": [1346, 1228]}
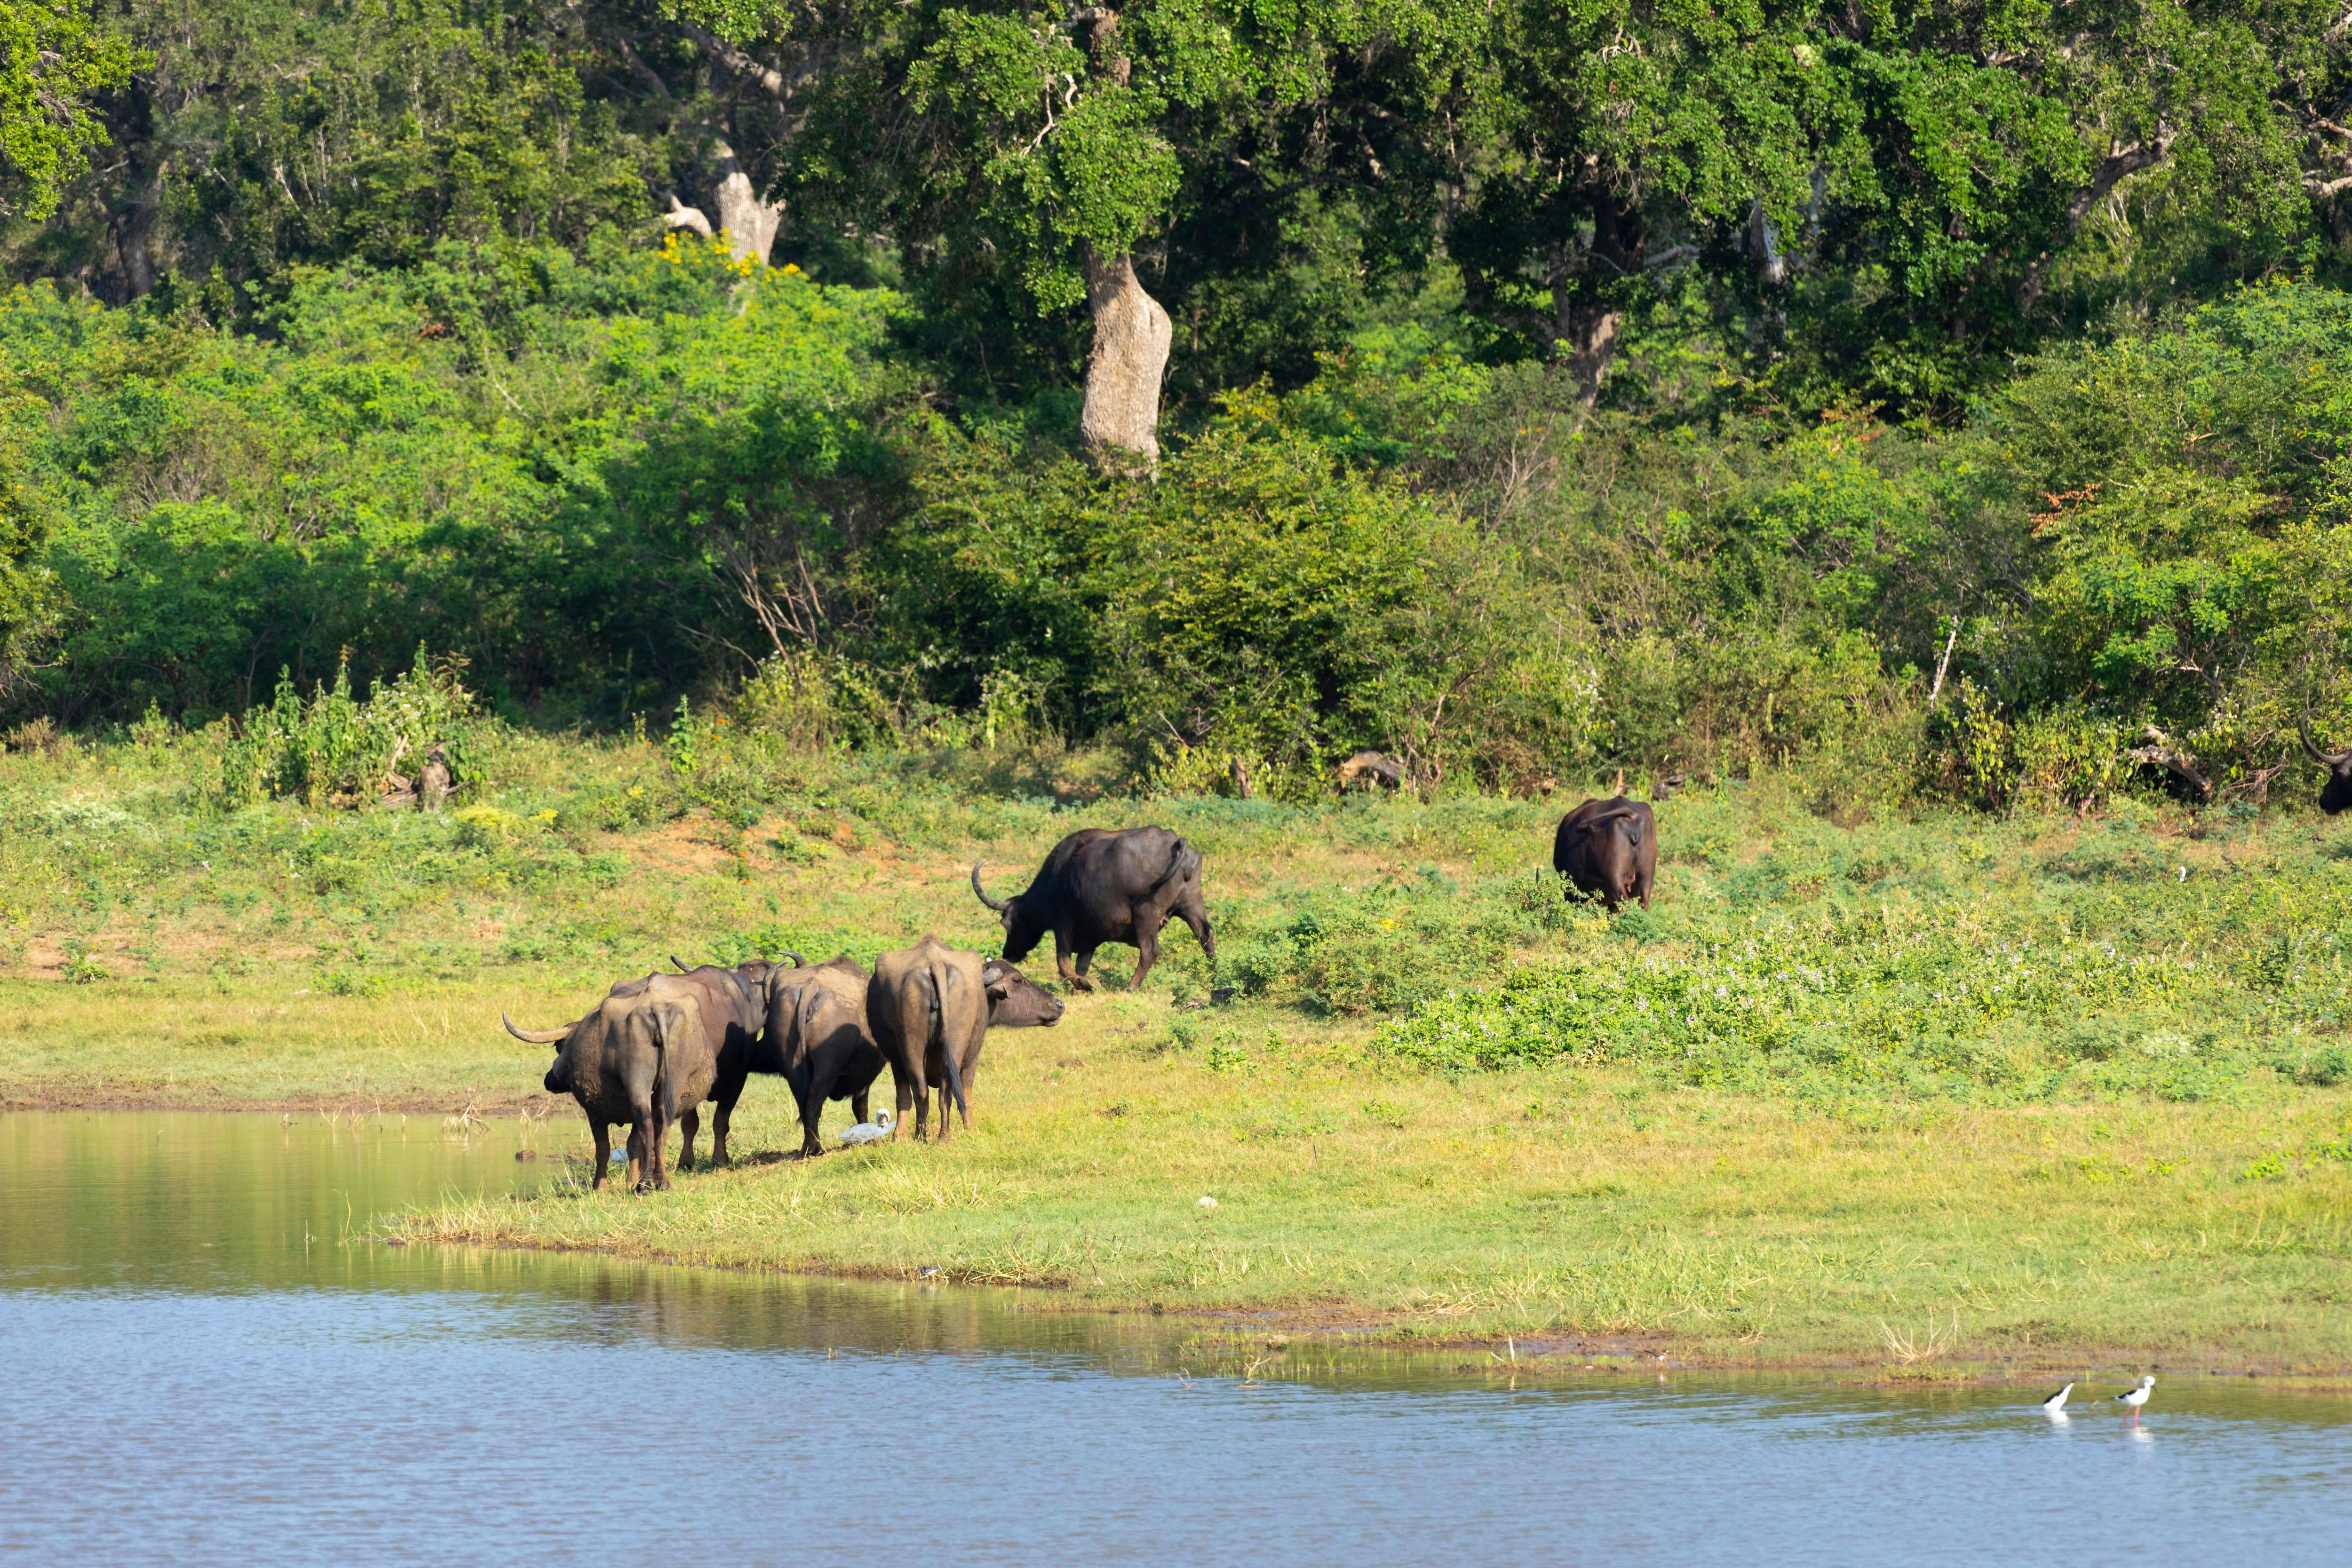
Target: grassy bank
{"type": "Point", "coordinates": [1912, 1089]}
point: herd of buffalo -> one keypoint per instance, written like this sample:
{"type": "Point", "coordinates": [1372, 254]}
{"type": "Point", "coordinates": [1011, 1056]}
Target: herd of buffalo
{"type": "Point", "coordinates": [654, 1048]}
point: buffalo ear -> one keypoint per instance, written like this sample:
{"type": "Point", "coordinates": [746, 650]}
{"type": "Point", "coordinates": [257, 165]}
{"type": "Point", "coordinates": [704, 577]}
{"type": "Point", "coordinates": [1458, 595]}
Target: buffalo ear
{"type": "Point", "coordinates": [998, 990]}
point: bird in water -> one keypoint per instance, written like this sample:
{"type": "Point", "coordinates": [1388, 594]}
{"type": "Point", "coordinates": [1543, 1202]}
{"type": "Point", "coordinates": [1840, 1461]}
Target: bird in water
{"type": "Point", "coordinates": [2056, 1403]}
{"type": "Point", "coordinates": [867, 1132]}
{"type": "Point", "coordinates": [2136, 1397]}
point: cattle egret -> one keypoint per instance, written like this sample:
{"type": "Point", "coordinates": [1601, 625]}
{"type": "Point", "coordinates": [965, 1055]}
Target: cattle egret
{"type": "Point", "coordinates": [1206, 1202]}
{"type": "Point", "coordinates": [867, 1132]}
{"type": "Point", "coordinates": [2056, 1403]}
{"type": "Point", "coordinates": [2136, 1397]}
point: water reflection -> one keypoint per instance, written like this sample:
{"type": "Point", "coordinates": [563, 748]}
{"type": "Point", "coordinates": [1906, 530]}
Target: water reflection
{"type": "Point", "coordinates": [222, 1366]}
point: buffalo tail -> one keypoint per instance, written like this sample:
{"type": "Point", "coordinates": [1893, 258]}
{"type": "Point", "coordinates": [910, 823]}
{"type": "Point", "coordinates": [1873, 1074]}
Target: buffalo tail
{"type": "Point", "coordinates": [951, 1070]}
{"type": "Point", "coordinates": [1182, 859]}
{"type": "Point", "coordinates": [665, 1082]}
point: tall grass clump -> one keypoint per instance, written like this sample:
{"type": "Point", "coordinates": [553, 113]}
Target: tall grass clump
{"type": "Point", "coordinates": [334, 749]}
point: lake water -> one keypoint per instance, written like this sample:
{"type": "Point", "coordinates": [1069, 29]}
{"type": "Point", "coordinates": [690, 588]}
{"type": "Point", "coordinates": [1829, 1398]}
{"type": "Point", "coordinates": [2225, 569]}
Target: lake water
{"type": "Point", "coordinates": [201, 1365]}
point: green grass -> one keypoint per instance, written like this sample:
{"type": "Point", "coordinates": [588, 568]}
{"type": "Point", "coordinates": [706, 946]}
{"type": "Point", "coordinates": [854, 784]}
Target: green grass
{"type": "Point", "coordinates": [1546, 1202]}
{"type": "Point", "coordinates": [1922, 1090]}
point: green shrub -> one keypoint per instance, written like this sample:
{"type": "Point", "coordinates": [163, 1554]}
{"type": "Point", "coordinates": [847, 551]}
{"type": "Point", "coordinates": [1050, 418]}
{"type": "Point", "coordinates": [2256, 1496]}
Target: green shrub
{"type": "Point", "coordinates": [334, 750]}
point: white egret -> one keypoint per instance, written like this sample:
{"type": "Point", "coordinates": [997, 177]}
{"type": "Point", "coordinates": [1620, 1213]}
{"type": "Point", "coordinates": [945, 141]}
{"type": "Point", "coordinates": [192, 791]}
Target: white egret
{"type": "Point", "coordinates": [867, 1132]}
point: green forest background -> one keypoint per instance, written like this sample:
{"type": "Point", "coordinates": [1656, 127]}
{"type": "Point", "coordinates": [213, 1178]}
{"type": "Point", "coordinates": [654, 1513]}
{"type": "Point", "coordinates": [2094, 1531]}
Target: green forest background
{"type": "Point", "coordinates": [1938, 400]}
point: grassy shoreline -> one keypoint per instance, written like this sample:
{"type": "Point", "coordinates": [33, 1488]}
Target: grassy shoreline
{"type": "Point", "coordinates": [1916, 1093]}
{"type": "Point", "coordinates": [1717, 1228]}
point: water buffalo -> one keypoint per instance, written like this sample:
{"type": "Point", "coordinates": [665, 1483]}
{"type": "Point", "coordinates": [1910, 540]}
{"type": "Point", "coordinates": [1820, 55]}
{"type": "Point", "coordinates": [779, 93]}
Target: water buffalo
{"type": "Point", "coordinates": [1016, 1001]}
{"type": "Point", "coordinates": [2335, 795]}
{"type": "Point", "coordinates": [928, 1009]}
{"type": "Point", "coordinates": [635, 1061]}
{"type": "Point", "coordinates": [735, 1010]}
{"type": "Point", "coordinates": [1609, 847]}
{"type": "Point", "coordinates": [1371, 770]}
{"type": "Point", "coordinates": [816, 1038]}
{"type": "Point", "coordinates": [1099, 885]}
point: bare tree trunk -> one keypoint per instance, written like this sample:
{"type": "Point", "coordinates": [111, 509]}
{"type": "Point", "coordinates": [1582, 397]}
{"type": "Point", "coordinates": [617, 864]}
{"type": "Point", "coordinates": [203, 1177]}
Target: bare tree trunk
{"type": "Point", "coordinates": [1945, 663]}
{"type": "Point", "coordinates": [749, 222]}
{"type": "Point", "coordinates": [1584, 329]}
{"type": "Point", "coordinates": [2112, 170]}
{"type": "Point", "coordinates": [132, 229]}
{"type": "Point", "coordinates": [1120, 421]}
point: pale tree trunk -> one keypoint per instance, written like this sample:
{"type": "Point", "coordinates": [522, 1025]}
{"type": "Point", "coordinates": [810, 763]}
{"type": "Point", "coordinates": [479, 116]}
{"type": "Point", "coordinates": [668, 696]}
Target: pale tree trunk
{"type": "Point", "coordinates": [1120, 420]}
{"type": "Point", "coordinates": [749, 222]}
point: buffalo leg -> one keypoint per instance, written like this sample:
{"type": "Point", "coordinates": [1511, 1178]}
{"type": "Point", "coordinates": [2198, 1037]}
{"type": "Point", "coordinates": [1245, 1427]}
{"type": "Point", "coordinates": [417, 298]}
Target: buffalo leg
{"type": "Point", "coordinates": [905, 1095]}
{"type": "Point", "coordinates": [719, 1120]}
{"type": "Point", "coordinates": [690, 1120]}
{"type": "Point", "coordinates": [651, 1175]}
{"type": "Point", "coordinates": [1147, 943]}
{"type": "Point", "coordinates": [603, 1154]}
{"type": "Point", "coordinates": [645, 1147]}
{"type": "Point", "coordinates": [1078, 980]}
{"type": "Point", "coordinates": [811, 1111]}
{"type": "Point", "coordinates": [824, 1070]}
{"type": "Point", "coordinates": [1194, 913]}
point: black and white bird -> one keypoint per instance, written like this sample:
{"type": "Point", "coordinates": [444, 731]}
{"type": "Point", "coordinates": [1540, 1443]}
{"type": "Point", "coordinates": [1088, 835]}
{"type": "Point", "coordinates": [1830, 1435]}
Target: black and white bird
{"type": "Point", "coordinates": [2056, 1403]}
{"type": "Point", "coordinates": [2136, 1397]}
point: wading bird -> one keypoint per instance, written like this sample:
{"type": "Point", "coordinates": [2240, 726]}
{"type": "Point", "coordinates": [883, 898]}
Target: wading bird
{"type": "Point", "coordinates": [867, 1132]}
{"type": "Point", "coordinates": [2056, 1403]}
{"type": "Point", "coordinates": [2136, 1397]}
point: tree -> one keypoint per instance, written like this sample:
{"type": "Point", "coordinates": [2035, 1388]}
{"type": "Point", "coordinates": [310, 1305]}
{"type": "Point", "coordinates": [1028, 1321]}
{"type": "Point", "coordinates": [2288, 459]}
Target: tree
{"type": "Point", "coordinates": [264, 135]}
{"type": "Point", "coordinates": [52, 60]}
{"type": "Point", "coordinates": [1905, 177]}
{"type": "Point", "coordinates": [1625, 131]}
{"type": "Point", "coordinates": [1009, 147]}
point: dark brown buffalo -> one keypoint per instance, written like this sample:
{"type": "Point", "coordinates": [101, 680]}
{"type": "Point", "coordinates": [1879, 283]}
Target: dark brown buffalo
{"type": "Point", "coordinates": [816, 1038]}
{"type": "Point", "coordinates": [635, 1061]}
{"type": "Point", "coordinates": [2335, 795]}
{"type": "Point", "coordinates": [1098, 885]}
{"type": "Point", "coordinates": [928, 1009]}
{"type": "Point", "coordinates": [1609, 847]}
{"type": "Point", "coordinates": [735, 1010]}
{"type": "Point", "coordinates": [1016, 1001]}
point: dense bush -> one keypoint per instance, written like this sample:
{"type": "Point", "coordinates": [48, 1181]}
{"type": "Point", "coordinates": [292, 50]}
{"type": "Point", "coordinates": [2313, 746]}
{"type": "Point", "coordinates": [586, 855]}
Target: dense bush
{"type": "Point", "coordinates": [662, 473]}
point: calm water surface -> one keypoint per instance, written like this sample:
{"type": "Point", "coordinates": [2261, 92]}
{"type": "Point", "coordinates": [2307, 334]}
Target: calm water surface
{"type": "Point", "coordinates": [198, 1366]}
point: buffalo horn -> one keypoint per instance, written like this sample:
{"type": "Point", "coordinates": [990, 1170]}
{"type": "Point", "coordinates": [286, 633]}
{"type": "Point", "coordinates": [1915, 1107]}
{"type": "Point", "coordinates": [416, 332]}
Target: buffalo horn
{"type": "Point", "coordinates": [995, 903]}
{"type": "Point", "coordinates": [2326, 759]}
{"type": "Point", "coordinates": [534, 1036]}
{"type": "Point", "coordinates": [798, 962]}
{"type": "Point", "coordinates": [683, 968]}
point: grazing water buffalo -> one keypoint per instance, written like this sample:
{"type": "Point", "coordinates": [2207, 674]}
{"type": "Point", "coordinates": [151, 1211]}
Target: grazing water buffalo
{"type": "Point", "coordinates": [2335, 795]}
{"type": "Point", "coordinates": [1098, 886]}
{"type": "Point", "coordinates": [641, 1055]}
{"type": "Point", "coordinates": [928, 1009]}
{"type": "Point", "coordinates": [816, 1038]}
{"type": "Point", "coordinates": [1609, 847]}
{"type": "Point", "coordinates": [1016, 1001]}
{"type": "Point", "coordinates": [734, 1009]}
